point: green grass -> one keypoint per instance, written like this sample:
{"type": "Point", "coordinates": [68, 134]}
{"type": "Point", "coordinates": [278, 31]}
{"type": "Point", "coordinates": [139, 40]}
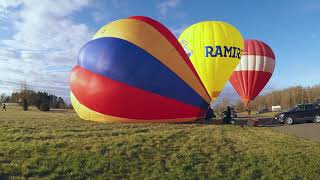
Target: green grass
{"type": "Point", "coordinates": [58, 145]}
{"type": "Point", "coordinates": [269, 114]}
{"type": "Point", "coordinates": [254, 113]}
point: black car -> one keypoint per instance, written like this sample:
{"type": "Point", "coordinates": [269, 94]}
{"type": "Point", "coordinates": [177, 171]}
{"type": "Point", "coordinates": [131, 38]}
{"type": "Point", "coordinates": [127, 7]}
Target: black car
{"type": "Point", "coordinates": [299, 113]}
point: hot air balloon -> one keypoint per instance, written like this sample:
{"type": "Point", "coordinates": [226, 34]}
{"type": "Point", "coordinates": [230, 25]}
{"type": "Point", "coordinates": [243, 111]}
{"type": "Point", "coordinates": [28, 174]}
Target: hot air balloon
{"type": "Point", "coordinates": [254, 70]}
{"type": "Point", "coordinates": [214, 49]}
{"type": "Point", "coordinates": [135, 70]}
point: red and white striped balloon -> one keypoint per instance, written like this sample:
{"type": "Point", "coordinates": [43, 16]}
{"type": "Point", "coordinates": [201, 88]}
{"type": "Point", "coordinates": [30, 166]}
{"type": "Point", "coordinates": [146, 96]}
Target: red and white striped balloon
{"type": "Point", "coordinates": [254, 70]}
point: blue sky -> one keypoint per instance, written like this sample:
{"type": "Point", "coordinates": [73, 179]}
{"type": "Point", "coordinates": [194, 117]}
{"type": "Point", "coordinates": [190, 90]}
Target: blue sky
{"type": "Point", "coordinates": [39, 39]}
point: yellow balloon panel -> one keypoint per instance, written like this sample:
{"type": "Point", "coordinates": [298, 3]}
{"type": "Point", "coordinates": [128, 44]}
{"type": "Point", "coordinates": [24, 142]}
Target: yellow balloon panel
{"type": "Point", "coordinates": [215, 49]}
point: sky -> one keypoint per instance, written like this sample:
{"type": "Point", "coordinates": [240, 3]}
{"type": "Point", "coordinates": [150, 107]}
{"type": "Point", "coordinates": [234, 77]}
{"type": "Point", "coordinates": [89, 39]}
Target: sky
{"type": "Point", "coordinates": [40, 39]}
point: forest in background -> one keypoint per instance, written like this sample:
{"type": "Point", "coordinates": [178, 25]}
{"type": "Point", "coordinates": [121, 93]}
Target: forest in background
{"type": "Point", "coordinates": [26, 96]}
{"type": "Point", "coordinates": [286, 98]}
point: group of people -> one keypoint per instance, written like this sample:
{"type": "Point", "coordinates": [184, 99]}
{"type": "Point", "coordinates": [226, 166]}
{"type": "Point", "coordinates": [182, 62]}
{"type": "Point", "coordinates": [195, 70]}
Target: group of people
{"type": "Point", "coordinates": [227, 115]}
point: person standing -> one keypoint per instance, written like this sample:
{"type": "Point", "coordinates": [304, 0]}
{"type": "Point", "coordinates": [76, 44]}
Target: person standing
{"type": "Point", "coordinates": [4, 107]}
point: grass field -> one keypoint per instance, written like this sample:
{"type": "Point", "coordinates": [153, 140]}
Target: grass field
{"type": "Point", "coordinates": [58, 144]}
{"type": "Point", "coordinates": [254, 113]}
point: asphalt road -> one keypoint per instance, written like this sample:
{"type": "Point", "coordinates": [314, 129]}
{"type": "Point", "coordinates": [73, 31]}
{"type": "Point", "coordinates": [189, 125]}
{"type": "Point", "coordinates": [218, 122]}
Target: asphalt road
{"type": "Point", "coordinates": [307, 130]}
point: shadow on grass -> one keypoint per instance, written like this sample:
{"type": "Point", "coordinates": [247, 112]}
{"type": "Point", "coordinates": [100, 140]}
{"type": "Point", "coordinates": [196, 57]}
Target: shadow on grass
{"type": "Point", "coordinates": [59, 111]}
{"type": "Point", "coordinates": [217, 121]}
{"type": "Point", "coordinates": [241, 121]}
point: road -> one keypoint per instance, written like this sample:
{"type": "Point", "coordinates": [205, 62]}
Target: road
{"type": "Point", "coordinates": [308, 130]}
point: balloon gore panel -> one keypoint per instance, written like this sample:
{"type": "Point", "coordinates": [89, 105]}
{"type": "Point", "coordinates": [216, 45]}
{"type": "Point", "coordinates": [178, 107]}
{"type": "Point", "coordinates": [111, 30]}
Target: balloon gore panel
{"type": "Point", "coordinates": [120, 79]}
{"type": "Point", "coordinates": [254, 70]}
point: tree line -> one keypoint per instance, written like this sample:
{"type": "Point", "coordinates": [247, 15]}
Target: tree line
{"type": "Point", "coordinates": [27, 97]}
{"type": "Point", "coordinates": [286, 98]}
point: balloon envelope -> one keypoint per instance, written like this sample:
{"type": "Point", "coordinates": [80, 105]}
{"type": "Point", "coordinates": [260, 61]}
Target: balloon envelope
{"type": "Point", "coordinates": [134, 70]}
{"type": "Point", "coordinates": [214, 49]}
{"type": "Point", "coordinates": [254, 70]}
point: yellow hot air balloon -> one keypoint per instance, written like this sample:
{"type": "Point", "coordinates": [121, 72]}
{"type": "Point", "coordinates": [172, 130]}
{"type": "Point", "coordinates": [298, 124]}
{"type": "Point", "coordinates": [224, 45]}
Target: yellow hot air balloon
{"type": "Point", "coordinates": [215, 49]}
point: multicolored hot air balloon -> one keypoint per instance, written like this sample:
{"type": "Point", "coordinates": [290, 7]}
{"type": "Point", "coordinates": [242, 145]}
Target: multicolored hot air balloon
{"type": "Point", "coordinates": [214, 49]}
{"type": "Point", "coordinates": [135, 70]}
{"type": "Point", "coordinates": [254, 70]}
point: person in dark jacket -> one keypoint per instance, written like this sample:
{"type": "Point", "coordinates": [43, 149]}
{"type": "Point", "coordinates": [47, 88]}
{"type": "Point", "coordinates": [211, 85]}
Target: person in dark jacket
{"type": "Point", "coordinates": [4, 107]}
{"type": "Point", "coordinates": [227, 116]}
{"type": "Point", "coordinates": [210, 114]}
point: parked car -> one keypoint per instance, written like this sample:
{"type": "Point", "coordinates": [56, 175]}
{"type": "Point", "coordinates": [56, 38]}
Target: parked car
{"type": "Point", "coordinates": [300, 113]}
{"type": "Point", "coordinates": [261, 111]}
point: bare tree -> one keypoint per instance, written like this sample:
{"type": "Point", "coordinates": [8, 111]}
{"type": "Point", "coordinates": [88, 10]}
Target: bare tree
{"type": "Point", "coordinates": [219, 108]}
{"type": "Point", "coordinates": [285, 98]}
{"type": "Point", "coordinates": [24, 92]}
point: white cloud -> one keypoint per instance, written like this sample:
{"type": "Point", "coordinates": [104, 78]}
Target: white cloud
{"type": "Point", "coordinates": [47, 26]}
{"type": "Point", "coordinates": [7, 12]}
{"type": "Point", "coordinates": [6, 54]}
{"type": "Point", "coordinates": [9, 3]}
{"type": "Point", "coordinates": [45, 38]}
{"type": "Point", "coordinates": [166, 5]}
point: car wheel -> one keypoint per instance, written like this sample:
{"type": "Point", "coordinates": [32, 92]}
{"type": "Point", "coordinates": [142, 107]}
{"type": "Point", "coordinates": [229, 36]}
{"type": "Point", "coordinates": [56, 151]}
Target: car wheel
{"type": "Point", "coordinates": [289, 121]}
{"type": "Point", "coordinates": [317, 119]}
